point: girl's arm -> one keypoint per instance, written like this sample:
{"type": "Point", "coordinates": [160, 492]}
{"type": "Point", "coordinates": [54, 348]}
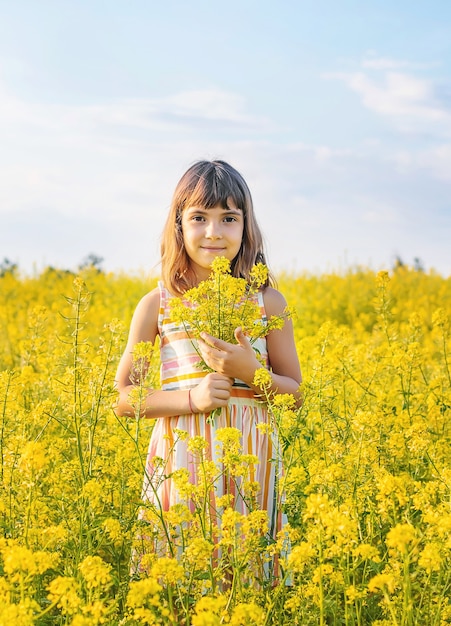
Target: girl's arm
{"type": "Point", "coordinates": [240, 361]}
{"type": "Point", "coordinates": [212, 392]}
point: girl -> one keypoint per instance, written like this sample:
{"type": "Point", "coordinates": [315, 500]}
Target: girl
{"type": "Point", "coordinates": [211, 215]}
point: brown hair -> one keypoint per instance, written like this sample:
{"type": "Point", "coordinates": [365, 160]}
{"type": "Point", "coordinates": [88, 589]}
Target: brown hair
{"type": "Point", "coordinates": [207, 184]}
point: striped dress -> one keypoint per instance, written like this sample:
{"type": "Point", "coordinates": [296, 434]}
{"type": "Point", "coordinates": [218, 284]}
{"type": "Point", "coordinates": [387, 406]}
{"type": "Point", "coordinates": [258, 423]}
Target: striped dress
{"type": "Point", "coordinates": [168, 453]}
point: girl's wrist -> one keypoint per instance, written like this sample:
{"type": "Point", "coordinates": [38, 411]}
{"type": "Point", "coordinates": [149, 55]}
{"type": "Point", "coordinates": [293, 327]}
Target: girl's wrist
{"type": "Point", "coordinates": [190, 403]}
{"type": "Point", "coordinates": [251, 373]}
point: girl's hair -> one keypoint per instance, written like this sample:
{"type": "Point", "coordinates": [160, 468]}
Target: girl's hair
{"type": "Point", "coordinates": [207, 184]}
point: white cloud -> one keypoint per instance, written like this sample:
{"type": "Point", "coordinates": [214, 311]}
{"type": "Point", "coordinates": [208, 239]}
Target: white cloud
{"type": "Point", "coordinates": [435, 160]}
{"type": "Point", "coordinates": [82, 179]}
{"type": "Point", "coordinates": [175, 112]}
{"type": "Point", "coordinates": [397, 94]}
{"type": "Point", "coordinates": [211, 104]}
{"type": "Point", "coordinates": [379, 213]}
{"type": "Point", "coordinates": [316, 214]}
{"type": "Point", "coordinates": [124, 155]}
{"type": "Point", "coordinates": [412, 103]}
{"type": "Point", "coordinates": [375, 62]}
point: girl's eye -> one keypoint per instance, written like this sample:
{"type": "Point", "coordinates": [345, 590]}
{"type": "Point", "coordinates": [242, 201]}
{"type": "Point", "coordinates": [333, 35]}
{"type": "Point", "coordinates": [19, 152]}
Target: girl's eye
{"type": "Point", "coordinates": [229, 219]}
{"type": "Point", "coordinates": [198, 218]}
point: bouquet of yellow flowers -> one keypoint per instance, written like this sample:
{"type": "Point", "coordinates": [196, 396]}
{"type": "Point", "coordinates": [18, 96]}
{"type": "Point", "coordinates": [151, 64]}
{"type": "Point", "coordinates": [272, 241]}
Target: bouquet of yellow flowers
{"type": "Point", "coordinates": [222, 303]}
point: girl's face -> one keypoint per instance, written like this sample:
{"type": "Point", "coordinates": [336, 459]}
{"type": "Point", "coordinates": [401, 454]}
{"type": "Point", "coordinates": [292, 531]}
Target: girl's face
{"type": "Point", "coordinates": [208, 233]}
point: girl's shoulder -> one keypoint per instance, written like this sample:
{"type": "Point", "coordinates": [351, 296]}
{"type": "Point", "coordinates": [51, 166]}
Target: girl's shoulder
{"type": "Point", "coordinates": [144, 324]}
{"type": "Point", "coordinates": [274, 301]}
{"type": "Point", "coordinates": [150, 300]}
{"type": "Point", "coordinates": [154, 303]}
{"type": "Point", "coordinates": [148, 307]}
{"type": "Point", "coordinates": [155, 298]}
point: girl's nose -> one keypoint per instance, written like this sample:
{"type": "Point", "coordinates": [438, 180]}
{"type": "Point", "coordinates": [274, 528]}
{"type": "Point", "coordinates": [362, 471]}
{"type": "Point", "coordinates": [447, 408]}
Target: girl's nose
{"type": "Point", "coordinates": [213, 230]}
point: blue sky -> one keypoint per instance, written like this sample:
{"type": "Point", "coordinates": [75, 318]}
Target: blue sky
{"type": "Point", "coordinates": [338, 114]}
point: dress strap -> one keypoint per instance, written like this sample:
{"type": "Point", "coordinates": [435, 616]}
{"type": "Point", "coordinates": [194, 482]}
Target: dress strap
{"type": "Point", "coordinates": [164, 297]}
{"type": "Point", "coordinates": [261, 304]}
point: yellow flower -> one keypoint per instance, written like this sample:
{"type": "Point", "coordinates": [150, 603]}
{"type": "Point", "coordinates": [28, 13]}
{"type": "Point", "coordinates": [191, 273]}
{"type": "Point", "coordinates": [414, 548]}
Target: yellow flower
{"type": "Point", "coordinates": [182, 435]}
{"type": "Point", "coordinates": [220, 265]}
{"type": "Point", "coordinates": [245, 614]}
{"type": "Point", "coordinates": [54, 536]}
{"type": "Point", "coordinates": [197, 444]}
{"type": "Point", "coordinates": [229, 437]}
{"type": "Point", "coordinates": [225, 501]}
{"type": "Point", "coordinates": [198, 552]}
{"type": "Point", "coordinates": [259, 275]}
{"type": "Point", "coordinates": [381, 582]}
{"type": "Point", "coordinates": [262, 378]}
{"type": "Point", "coordinates": [430, 558]}
{"type": "Point", "coordinates": [143, 373]}
{"type": "Point", "coordinates": [366, 551]}
{"type": "Point", "coordinates": [300, 555]}
{"type": "Point", "coordinates": [206, 618]}
{"type": "Point", "coordinates": [143, 350]}
{"type": "Point", "coordinates": [229, 527]}
{"type": "Point", "coordinates": [353, 594]}
{"type": "Point", "coordinates": [17, 558]}
{"type": "Point", "coordinates": [209, 611]}
{"type": "Point", "coordinates": [251, 488]}
{"type": "Point", "coordinates": [323, 570]}
{"type": "Point", "coordinates": [93, 490]}
{"type": "Point", "coordinates": [401, 537]}
{"type": "Point", "coordinates": [113, 529]}
{"type": "Point", "coordinates": [255, 522]}
{"type": "Point", "coordinates": [22, 614]}
{"type": "Point", "coordinates": [96, 572]}
{"type": "Point", "coordinates": [65, 592]}
{"type": "Point", "coordinates": [440, 318]}
{"type": "Point", "coordinates": [371, 445]}
{"type": "Point", "coordinates": [178, 514]}
{"type": "Point", "coordinates": [284, 400]}
{"type": "Point", "coordinates": [207, 472]}
{"type": "Point", "coordinates": [143, 591]}
{"type": "Point", "coordinates": [265, 428]}
{"type": "Point", "coordinates": [182, 483]}
{"type": "Point", "coordinates": [383, 278]}
{"type": "Point", "coordinates": [79, 284]}
{"type": "Point", "coordinates": [34, 458]}
{"type": "Point", "coordinates": [317, 506]}
{"type": "Point", "coordinates": [167, 571]}
{"type": "Point", "coordinates": [223, 303]}
{"type": "Point", "coordinates": [93, 613]}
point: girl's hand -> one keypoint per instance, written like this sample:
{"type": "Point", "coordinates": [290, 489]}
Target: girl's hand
{"type": "Point", "coordinates": [232, 360]}
{"type": "Point", "coordinates": [212, 392]}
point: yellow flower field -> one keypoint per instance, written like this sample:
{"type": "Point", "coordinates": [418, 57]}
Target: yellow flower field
{"type": "Point", "coordinates": [366, 487]}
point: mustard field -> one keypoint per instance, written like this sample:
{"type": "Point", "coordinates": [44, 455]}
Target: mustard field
{"type": "Point", "coordinates": [367, 466]}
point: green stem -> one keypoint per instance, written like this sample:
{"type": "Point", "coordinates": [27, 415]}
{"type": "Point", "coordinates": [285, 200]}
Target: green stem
{"type": "Point", "coordinates": [76, 399]}
{"type": "Point", "coordinates": [3, 424]}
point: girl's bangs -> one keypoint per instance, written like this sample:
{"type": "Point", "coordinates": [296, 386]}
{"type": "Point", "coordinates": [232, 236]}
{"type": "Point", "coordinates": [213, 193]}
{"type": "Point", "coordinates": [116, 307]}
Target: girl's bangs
{"type": "Point", "coordinates": [209, 193]}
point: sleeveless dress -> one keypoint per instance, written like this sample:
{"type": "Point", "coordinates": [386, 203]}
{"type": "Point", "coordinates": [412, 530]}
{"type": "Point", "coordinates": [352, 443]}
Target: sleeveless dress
{"type": "Point", "coordinates": [168, 452]}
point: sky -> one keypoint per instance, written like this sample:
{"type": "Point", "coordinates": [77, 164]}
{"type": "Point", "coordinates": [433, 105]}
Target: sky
{"type": "Point", "coordinates": [338, 115]}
